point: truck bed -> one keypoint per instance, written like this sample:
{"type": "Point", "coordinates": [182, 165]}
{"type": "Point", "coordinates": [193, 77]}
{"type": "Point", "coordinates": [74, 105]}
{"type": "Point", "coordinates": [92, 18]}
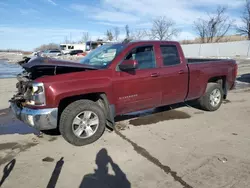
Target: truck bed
{"type": "Point", "coordinates": [200, 60]}
{"type": "Point", "coordinates": [202, 70]}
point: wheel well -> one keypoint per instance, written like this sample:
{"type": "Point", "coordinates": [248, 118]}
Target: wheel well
{"type": "Point", "coordinates": [96, 97]}
{"type": "Point", "coordinates": [222, 81]}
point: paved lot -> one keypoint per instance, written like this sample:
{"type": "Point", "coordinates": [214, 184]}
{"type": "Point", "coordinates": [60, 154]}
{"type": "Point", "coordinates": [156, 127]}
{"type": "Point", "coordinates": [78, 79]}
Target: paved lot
{"type": "Point", "coordinates": [182, 147]}
{"type": "Point", "coordinates": [7, 90]}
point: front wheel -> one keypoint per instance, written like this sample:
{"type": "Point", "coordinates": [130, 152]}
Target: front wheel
{"type": "Point", "coordinates": [82, 122]}
{"type": "Point", "coordinates": [213, 97]}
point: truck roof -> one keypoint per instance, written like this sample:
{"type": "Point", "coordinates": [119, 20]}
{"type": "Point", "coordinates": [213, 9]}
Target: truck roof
{"type": "Point", "coordinates": [151, 41]}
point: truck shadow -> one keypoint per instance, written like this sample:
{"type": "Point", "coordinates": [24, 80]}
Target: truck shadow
{"type": "Point", "coordinates": [156, 115]}
{"type": "Point", "coordinates": [16, 127]}
{"type": "Point", "coordinates": [10, 125]}
{"type": "Point", "coordinates": [244, 78]}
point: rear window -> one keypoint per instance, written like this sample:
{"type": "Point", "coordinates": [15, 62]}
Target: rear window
{"type": "Point", "coordinates": [170, 55]}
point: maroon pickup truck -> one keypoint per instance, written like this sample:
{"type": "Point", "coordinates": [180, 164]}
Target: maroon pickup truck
{"type": "Point", "coordinates": [81, 99]}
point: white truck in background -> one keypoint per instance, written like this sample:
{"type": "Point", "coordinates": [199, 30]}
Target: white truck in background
{"type": "Point", "coordinates": [66, 48]}
{"type": "Point", "coordinates": [86, 47]}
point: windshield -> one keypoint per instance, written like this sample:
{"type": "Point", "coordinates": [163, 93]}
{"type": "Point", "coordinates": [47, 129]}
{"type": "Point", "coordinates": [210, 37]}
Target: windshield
{"type": "Point", "coordinates": [103, 55]}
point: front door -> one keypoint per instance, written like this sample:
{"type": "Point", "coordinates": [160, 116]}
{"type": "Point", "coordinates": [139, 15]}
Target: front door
{"type": "Point", "coordinates": [141, 88]}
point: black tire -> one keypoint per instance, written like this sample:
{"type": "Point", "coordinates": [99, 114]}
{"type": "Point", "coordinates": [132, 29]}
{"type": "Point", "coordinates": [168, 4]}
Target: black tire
{"type": "Point", "coordinates": [68, 115]}
{"type": "Point", "coordinates": [204, 101]}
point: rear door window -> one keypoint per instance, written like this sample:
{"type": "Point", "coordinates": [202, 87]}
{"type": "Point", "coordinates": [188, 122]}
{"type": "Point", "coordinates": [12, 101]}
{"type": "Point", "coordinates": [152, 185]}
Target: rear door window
{"type": "Point", "coordinates": [170, 55]}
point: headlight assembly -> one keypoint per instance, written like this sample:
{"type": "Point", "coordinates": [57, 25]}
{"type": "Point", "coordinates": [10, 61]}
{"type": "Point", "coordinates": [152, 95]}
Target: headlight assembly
{"type": "Point", "coordinates": [37, 95]}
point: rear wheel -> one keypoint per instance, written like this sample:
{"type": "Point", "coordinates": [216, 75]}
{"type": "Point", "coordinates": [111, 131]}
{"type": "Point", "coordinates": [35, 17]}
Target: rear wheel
{"type": "Point", "coordinates": [213, 97]}
{"type": "Point", "coordinates": [82, 122]}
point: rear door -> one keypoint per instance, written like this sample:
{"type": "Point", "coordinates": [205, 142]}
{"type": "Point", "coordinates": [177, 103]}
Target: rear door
{"type": "Point", "coordinates": [174, 74]}
{"type": "Point", "coordinates": [139, 89]}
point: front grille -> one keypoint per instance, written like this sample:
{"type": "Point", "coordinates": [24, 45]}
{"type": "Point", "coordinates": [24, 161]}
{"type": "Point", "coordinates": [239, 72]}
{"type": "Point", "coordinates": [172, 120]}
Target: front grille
{"type": "Point", "coordinates": [21, 87]}
{"type": "Point", "coordinates": [24, 82]}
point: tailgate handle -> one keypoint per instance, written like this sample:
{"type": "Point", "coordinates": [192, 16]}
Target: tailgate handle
{"type": "Point", "coordinates": [181, 72]}
{"type": "Point", "coordinates": [154, 74]}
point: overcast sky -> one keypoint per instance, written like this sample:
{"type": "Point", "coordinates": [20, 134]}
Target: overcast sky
{"type": "Point", "coordinates": [25, 24]}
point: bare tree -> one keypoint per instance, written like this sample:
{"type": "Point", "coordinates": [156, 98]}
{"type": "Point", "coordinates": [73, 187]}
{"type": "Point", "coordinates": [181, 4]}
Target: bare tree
{"type": "Point", "coordinates": [186, 42]}
{"type": "Point", "coordinates": [85, 37]}
{"type": "Point", "coordinates": [127, 31]}
{"type": "Point", "coordinates": [200, 26]}
{"type": "Point", "coordinates": [116, 33]}
{"type": "Point", "coordinates": [50, 46]}
{"type": "Point", "coordinates": [215, 27]}
{"type": "Point", "coordinates": [66, 41]}
{"type": "Point", "coordinates": [163, 29]}
{"type": "Point", "coordinates": [109, 35]}
{"type": "Point", "coordinates": [139, 34]}
{"type": "Point", "coordinates": [245, 18]}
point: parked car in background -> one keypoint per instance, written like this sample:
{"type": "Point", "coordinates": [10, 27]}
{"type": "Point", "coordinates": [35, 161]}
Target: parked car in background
{"type": "Point", "coordinates": [82, 54]}
{"type": "Point", "coordinates": [75, 52]}
{"type": "Point", "coordinates": [51, 53]}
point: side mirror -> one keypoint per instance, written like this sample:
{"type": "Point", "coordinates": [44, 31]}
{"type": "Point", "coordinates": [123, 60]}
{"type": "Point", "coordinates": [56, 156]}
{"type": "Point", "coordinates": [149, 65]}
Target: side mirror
{"type": "Point", "coordinates": [127, 65]}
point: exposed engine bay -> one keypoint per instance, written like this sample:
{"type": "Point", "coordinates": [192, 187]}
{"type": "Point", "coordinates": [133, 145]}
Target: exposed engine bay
{"type": "Point", "coordinates": [39, 67]}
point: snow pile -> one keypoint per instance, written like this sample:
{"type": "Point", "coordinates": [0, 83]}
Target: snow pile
{"type": "Point", "coordinates": [69, 57]}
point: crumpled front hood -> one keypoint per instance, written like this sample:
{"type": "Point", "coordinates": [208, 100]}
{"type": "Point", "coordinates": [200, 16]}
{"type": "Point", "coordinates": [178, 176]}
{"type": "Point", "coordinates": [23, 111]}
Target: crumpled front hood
{"type": "Point", "coordinates": [45, 61]}
{"type": "Point", "coordinates": [43, 66]}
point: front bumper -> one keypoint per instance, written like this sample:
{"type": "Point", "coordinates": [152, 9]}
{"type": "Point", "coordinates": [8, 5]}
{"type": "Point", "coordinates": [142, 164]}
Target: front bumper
{"type": "Point", "coordinates": [41, 119]}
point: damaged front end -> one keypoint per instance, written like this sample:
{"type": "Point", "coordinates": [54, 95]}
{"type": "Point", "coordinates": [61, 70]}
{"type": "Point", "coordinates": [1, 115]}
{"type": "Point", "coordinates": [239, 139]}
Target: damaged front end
{"type": "Point", "coordinates": [31, 94]}
{"type": "Point", "coordinates": [24, 88]}
{"type": "Point", "coordinates": [28, 92]}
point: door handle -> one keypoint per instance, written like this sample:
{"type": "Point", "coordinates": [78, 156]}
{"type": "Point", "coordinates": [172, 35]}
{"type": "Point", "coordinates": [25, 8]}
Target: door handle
{"type": "Point", "coordinates": [181, 72]}
{"type": "Point", "coordinates": [154, 74]}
